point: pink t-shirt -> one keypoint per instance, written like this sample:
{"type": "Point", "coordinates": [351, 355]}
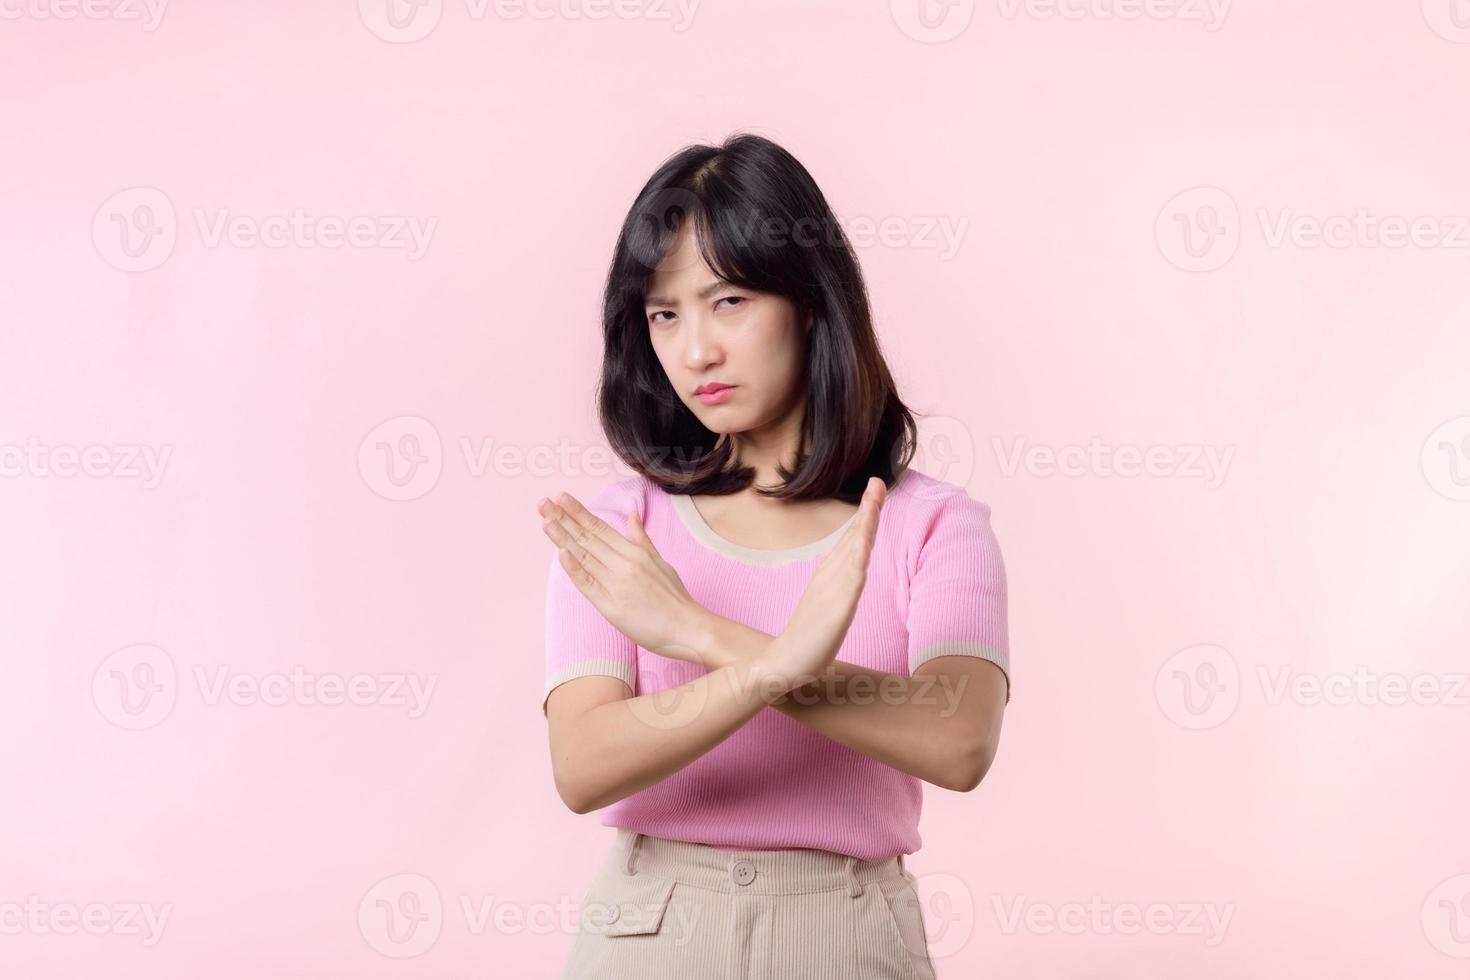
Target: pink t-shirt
{"type": "Point", "coordinates": [936, 586]}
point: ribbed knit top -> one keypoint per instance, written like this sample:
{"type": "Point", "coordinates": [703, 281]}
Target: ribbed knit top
{"type": "Point", "coordinates": [936, 586]}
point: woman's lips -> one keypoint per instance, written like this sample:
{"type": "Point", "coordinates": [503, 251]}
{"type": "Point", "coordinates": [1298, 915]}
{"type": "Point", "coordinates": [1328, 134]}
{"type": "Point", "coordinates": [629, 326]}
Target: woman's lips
{"type": "Point", "coordinates": [717, 396]}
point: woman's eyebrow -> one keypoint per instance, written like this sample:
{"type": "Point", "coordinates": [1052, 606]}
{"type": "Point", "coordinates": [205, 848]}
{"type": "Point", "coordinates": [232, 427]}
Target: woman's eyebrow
{"type": "Point", "coordinates": [704, 293]}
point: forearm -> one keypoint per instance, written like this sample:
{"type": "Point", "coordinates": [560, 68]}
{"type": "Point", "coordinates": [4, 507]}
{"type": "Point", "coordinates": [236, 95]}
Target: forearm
{"type": "Point", "coordinates": [613, 750]}
{"type": "Point", "coordinates": [908, 723]}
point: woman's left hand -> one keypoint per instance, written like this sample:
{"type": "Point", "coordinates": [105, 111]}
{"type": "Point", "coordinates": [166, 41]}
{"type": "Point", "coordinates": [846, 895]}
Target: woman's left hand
{"type": "Point", "coordinates": [636, 591]}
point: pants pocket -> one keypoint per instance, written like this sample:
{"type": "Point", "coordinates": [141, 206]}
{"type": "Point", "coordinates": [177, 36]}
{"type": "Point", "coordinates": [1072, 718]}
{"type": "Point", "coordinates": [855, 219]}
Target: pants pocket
{"type": "Point", "coordinates": [634, 906]}
{"type": "Point", "coordinates": [624, 930]}
{"type": "Point", "coordinates": [904, 918]}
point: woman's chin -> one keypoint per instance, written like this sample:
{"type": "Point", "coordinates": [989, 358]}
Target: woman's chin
{"type": "Point", "coordinates": [719, 424]}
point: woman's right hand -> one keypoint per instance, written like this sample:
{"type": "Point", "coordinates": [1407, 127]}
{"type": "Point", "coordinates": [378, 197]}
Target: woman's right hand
{"type": "Point", "coordinates": [626, 579]}
{"type": "Point", "coordinates": [819, 623]}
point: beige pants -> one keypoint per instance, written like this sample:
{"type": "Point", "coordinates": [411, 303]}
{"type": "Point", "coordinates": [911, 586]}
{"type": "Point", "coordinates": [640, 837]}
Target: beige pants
{"type": "Point", "coordinates": [662, 909]}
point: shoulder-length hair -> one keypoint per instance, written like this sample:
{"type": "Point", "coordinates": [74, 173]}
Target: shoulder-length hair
{"type": "Point", "coordinates": [762, 224]}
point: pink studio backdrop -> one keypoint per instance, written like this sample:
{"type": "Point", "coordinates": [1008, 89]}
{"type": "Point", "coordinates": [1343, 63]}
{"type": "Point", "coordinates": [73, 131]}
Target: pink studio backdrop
{"type": "Point", "coordinates": [300, 317]}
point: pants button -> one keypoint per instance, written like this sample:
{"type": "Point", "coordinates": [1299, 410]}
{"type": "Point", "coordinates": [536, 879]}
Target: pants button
{"type": "Point", "coordinates": [742, 872]}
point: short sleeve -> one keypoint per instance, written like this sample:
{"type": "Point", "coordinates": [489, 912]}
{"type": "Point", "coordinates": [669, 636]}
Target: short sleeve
{"type": "Point", "coordinates": [957, 587]}
{"type": "Point", "coordinates": [579, 641]}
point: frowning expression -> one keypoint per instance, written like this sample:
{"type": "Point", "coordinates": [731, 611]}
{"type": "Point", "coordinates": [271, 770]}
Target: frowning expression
{"type": "Point", "coordinates": [736, 357]}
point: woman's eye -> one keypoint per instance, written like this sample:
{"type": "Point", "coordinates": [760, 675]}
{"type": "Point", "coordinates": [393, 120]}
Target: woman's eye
{"type": "Point", "coordinates": [654, 316]}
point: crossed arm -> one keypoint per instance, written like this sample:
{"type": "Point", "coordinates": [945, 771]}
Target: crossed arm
{"type": "Point", "coordinates": [941, 725]}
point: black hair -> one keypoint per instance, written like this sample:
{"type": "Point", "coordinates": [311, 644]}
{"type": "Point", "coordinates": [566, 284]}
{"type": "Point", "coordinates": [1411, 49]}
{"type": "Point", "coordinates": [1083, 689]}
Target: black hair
{"type": "Point", "coordinates": [762, 224]}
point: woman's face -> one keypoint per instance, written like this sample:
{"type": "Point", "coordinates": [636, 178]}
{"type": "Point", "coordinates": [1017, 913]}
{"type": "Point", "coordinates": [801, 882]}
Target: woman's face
{"type": "Point", "coordinates": [705, 331]}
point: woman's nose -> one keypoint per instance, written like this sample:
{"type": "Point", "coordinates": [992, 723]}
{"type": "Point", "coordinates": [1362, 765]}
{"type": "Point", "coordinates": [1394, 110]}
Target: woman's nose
{"type": "Point", "coordinates": [701, 347]}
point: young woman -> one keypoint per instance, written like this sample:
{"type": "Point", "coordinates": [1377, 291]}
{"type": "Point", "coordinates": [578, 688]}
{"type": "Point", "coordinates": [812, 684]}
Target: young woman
{"type": "Point", "coordinates": [749, 669]}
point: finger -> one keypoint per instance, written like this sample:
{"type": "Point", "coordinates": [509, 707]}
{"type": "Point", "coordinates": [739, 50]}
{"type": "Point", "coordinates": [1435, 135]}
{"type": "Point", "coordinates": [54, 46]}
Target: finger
{"type": "Point", "coordinates": [572, 544]}
{"type": "Point", "coordinates": [601, 530]}
{"type": "Point", "coordinates": [550, 518]}
{"type": "Point", "coordinates": [876, 496]}
{"type": "Point", "coordinates": [604, 532]}
{"type": "Point", "coordinates": [585, 582]}
{"type": "Point", "coordinates": [638, 535]}
{"type": "Point", "coordinates": [863, 529]}
{"type": "Point", "coordinates": [589, 537]}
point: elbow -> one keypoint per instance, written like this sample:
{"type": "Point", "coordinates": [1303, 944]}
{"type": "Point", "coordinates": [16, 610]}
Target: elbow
{"type": "Point", "coordinates": [575, 798]}
{"type": "Point", "coordinates": [580, 796]}
{"type": "Point", "coordinates": [570, 800]}
{"type": "Point", "coordinates": [970, 768]}
{"type": "Point", "coordinates": [575, 803]}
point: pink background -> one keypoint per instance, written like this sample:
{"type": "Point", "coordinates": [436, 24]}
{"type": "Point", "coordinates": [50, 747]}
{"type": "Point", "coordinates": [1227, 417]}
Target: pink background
{"type": "Point", "coordinates": [1113, 188]}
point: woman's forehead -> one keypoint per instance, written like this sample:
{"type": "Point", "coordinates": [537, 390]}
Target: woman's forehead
{"type": "Point", "coordinates": [683, 266]}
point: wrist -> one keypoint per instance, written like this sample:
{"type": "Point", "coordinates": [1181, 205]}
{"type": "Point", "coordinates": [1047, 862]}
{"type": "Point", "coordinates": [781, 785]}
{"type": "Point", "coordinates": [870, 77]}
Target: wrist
{"type": "Point", "coordinates": [760, 679]}
{"type": "Point", "coordinates": [722, 642]}
{"type": "Point", "coordinates": [758, 666]}
{"type": "Point", "coordinates": [702, 631]}
{"type": "Point", "coordinates": [770, 667]}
